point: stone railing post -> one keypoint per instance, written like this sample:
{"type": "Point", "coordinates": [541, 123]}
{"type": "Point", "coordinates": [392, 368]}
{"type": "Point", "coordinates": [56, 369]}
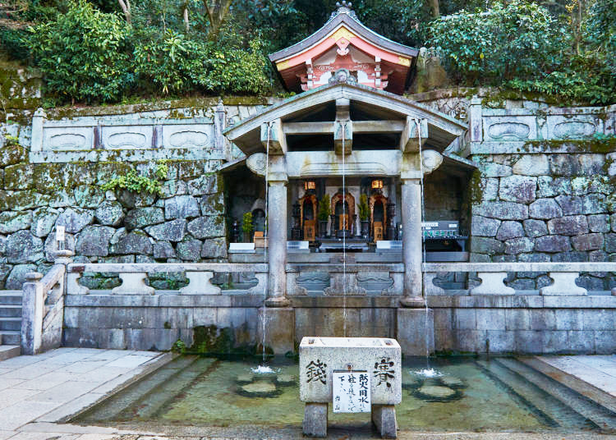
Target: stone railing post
{"type": "Point", "coordinates": [476, 120]}
{"type": "Point", "coordinates": [277, 243]}
{"type": "Point", "coordinates": [37, 130]}
{"type": "Point", "coordinates": [412, 243]}
{"type": "Point", "coordinates": [64, 258]}
{"type": "Point", "coordinates": [33, 308]}
{"type": "Point", "coordinates": [221, 144]}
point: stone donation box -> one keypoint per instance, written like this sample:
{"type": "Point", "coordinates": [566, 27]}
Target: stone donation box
{"type": "Point", "coordinates": [353, 375]}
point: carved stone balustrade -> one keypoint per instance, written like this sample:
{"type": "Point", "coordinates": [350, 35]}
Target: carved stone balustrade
{"type": "Point", "coordinates": [492, 275]}
{"type": "Point", "coordinates": [350, 280]}
{"type": "Point", "coordinates": [134, 276]}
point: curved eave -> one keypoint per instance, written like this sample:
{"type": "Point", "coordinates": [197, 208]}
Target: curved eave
{"type": "Point", "coordinates": [353, 25]}
{"type": "Point", "coordinates": [443, 129]}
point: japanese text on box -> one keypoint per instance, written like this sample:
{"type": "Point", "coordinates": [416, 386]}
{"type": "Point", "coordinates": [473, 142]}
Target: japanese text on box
{"type": "Point", "coordinates": [351, 391]}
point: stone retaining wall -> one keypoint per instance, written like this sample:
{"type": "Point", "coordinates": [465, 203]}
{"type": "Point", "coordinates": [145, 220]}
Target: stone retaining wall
{"type": "Point", "coordinates": [524, 324]}
{"type": "Point", "coordinates": [185, 223]}
{"type": "Point", "coordinates": [521, 324]}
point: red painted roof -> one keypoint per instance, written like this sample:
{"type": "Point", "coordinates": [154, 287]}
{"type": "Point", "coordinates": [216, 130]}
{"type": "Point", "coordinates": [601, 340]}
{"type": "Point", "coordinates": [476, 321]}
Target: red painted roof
{"type": "Point", "coordinates": [345, 43]}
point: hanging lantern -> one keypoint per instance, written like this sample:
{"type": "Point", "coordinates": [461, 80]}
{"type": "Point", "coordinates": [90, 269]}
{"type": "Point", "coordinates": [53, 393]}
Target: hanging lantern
{"type": "Point", "coordinates": [377, 184]}
{"type": "Point", "coordinates": [310, 185]}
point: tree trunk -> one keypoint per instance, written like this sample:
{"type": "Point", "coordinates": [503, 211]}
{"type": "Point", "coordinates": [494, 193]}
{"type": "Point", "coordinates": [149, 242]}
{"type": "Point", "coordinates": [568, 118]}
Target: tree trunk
{"type": "Point", "coordinates": [436, 10]}
{"type": "Point", "coordinates": [186, 22]}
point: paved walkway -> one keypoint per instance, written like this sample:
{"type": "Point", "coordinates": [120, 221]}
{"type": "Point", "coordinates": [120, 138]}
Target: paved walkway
{"type": "Point", "coordinates": [36, 391]}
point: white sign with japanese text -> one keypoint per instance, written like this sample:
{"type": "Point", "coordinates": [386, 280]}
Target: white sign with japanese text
{"type": "Point", "coordinates": [351, 391]}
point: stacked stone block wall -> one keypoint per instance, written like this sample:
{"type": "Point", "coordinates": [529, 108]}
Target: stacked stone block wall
{"type": "Point", "coordinates": [545, 207]}
{"type": "Point", "coordinates": [185, 223]}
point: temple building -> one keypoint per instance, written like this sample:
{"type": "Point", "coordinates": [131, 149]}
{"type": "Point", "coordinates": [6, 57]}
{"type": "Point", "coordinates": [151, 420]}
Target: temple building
{"type": "Point", "coordinates": [348, 160]}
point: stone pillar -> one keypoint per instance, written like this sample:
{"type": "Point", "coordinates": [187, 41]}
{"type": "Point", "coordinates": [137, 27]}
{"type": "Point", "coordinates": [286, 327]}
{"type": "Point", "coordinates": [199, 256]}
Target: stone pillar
{"type": "Point", "coordinates": [412, 242]}
{"type": "Point", "coordinates": [277, 243]}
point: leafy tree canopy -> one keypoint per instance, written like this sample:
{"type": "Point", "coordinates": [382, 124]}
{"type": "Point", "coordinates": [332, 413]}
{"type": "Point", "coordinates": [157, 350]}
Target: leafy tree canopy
{"type": "Point", "coordinates": [107, 50]}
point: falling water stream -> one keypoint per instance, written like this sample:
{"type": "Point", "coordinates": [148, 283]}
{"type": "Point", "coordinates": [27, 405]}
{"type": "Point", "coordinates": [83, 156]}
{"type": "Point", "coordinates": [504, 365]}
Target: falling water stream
{"type": "Point", "coordinates": [266, 242]}
{"type": "Point", "coordinates": [345, 224]}
{"type": "Point", "coordinates": [427, 372]}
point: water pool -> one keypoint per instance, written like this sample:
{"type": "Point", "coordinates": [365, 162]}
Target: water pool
{"type": "Point", "coordinates": [468, 394]}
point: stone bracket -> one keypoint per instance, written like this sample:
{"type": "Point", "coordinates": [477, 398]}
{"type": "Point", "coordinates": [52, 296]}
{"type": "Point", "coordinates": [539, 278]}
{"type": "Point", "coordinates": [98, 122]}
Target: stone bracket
{"type": "Point", "coordinates": [274, 134]}
{"type": "Point", "coordinates": [414, 135]}
{"type": "Point", "coordinates": [429, 287]}
{"type": "Point", "coordinates": [397, 288]}
{"type": "Point", "coordinates": [293, 288]}
{"type": "Point", "coordinates": [492, 284]}
{"type": "Point", "coordinates": [564, 284]}
{"type": "Point", "coordinates": [133, 284]}
{"type": "Point", "coordinates": [72, 284]}
{"type": "Point", "coordinates": [200, 284]}
{"type": "Point", "coordinates": [261, 287]}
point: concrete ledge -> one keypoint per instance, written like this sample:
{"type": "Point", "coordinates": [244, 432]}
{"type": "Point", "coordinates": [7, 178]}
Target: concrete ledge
{"type": "Point", "coordinates": [171, 300]}
{"type": "Point", "coordinates": [526, 302]}
{"type": "Point", "coordinates": [351, 302]}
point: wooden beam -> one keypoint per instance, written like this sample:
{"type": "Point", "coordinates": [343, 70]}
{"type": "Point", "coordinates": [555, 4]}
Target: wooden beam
{"type": "Point", "coordinates": [413, 137]}
{"type": "Point", "coordinates": [308, 127]}
{"type": "Point", "coordinates": [385, 126]}
{"type": "Point", "coordinates": [343, 134]}
{"type": "Point", "coordinates": [274, 135]}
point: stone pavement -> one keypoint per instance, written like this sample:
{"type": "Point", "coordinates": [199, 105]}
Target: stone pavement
{"type": "Point", "coordinates": [599, 371]}
{"type": "Point", "coordinates": [36, 391]}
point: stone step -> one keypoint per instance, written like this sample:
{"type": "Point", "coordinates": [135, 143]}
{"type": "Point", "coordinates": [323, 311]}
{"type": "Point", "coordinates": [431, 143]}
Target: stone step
{"type": "Point", "coordinates": [10, 297]}
{"type": "Point", "coordinates": [115, 408]}
{"type": "Point", "coordinates": [575, 383]}
{"type": "Point", "coordinates": [540, 403]}
{"type": "Point", "coordinates": [10, 324]}
{"type": "Point", "coordinates": [9, 351]}
{"type": "Point", "coordinates": [10, 311]}
{"type": "Point", "coordinates": [10, 337]}
{"type": "Point", "coordinates": [601, 416]}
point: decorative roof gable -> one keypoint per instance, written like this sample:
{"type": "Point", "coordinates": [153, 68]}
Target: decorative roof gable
{"type": "Point", "coordinates": [345, 43]}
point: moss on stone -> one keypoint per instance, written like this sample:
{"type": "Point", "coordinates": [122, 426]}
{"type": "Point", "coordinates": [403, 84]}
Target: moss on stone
{"type": "Point", "coordinates": [194, 104]}
{"type": "Point", "coordinates": [600, 145]}
{"type": "Point", "coordinates": [12, 154]}
{"type": "Point", "coordinates": [476, 188]}
{"type": "Point", "coordinates": [18, 177]}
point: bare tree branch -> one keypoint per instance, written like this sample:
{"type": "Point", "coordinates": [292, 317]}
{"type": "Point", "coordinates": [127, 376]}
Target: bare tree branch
{"type": "Point", "coordinates": [217, 11]}
{"type": "Point", "coordinates": [125, 5]}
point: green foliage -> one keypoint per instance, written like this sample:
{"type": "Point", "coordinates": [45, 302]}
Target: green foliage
{"type": "Point", "coordinates": [582, 80]}
{"type": "Point", "coordinates": [11, 140]}
{"type": "Point", "coordinates": [601, 31]}
{"type": "Point", "coordinates": [405, 21]}
{"type": "Point", "coordinates": [83, 54]}
{"type": "Point", "coordinates": [15, 43]}
{"type": "Point", "coordinates": [520, 46]}
{"type": "Point", "coordinates": [133, 182]}
{"type": "Point", "coordinates": [364, 209]}
{"type": "Point", "coordinates": [177, 64]}
{"type": "Point", "coordinates": [506, 41]}
{"type": "Point", "coordinates": [324, 208]}
{"type": "Point", "coordinates": [179, 347]}
{"type": "Point", "coordinates": [247, 226]}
